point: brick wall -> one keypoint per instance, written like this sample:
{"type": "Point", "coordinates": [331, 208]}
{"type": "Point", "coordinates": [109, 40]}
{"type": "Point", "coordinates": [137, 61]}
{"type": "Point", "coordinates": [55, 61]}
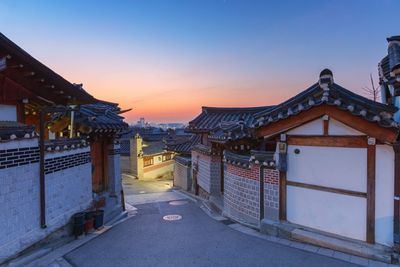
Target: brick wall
{"type": "Point", "coordinates": [242, 193]}
{"type": "Point", "coordinates": [208, 173]}
{"type": "Point", "coordinates": [271, 194]}
{"type": "Point", "coordinates": [67, 191]}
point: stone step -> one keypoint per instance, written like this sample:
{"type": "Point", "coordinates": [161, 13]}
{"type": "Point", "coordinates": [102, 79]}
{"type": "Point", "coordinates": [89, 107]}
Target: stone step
{"type": "Point", "coordinates": [376, 252]}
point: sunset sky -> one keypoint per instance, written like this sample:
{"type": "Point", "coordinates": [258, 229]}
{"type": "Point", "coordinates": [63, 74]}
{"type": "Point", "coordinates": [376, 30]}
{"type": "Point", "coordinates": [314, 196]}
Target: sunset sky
{"type": "Point", "coordinates": [166, 59]}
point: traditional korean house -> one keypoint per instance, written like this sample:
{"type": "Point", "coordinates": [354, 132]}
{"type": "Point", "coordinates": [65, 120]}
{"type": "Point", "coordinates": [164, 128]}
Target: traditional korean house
{"type": "Point", "coordinates": [323, 164]}
{"type": "Point", "coordinates": [207, 156]}
{"type": "Point", "coordinates": [182, 145]}
{"type": "Point", "coordinates": [146, 158]}
{"type": "Point", "coordinates": [48, 129]}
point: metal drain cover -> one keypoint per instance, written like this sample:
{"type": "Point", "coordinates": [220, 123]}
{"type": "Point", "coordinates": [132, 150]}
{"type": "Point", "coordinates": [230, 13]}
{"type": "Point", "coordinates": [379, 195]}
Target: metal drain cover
{"type": "Point", "coordinates": [172, 217]}
{"type": "Point", "coordinates": [178, 202]}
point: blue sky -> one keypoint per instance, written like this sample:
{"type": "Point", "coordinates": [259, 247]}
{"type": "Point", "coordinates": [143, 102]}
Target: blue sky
{"type": "Point", "coordinates": [168, 58]}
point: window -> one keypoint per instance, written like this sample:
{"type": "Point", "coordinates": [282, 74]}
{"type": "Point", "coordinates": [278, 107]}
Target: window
{"type": "Point", "coordinates": [148, 161]}
{"type": "Point", "coordinates": [166, 157]}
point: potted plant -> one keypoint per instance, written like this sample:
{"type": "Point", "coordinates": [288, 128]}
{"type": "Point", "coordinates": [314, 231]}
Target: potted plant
{"type": "Point", "coordinates": [98, 217]}
{"type": "Point", "coordinates": [88, 226]}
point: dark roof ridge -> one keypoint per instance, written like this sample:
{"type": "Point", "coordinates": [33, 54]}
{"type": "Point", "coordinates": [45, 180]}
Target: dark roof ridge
{"type": "Point", "coordinates": [20, 52]}
{"type": "Point", "coordinates": [233, 109]}
{"type": "Point", "coordinates": [386, 107]}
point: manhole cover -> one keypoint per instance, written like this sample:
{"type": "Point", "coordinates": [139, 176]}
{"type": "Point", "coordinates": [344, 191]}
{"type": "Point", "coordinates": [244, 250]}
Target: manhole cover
{"type": "Point", "coordinates": [172, 217]}
{"type": "Point", "coordinates": [142, 192]}
{"type": "Point", "coordinates": [178, 202]}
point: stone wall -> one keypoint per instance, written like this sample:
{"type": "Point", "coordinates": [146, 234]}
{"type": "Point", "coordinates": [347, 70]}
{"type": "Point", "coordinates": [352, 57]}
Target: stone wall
{"type": "Point", "coordinates": [68, 190]}
{"type": "Point", "coordinates": [182, 173]}
{"type": "Point", "coordinates": [271, 194]}
{"type": "Point", "coordinates": [208, 172]}
{"type": "Point", "coordinates": [242, 193]}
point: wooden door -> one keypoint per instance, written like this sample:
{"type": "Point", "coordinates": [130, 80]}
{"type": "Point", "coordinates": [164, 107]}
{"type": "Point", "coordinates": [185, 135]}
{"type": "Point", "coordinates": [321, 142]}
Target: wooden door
{"type": "Point", "coordinates": [99, 165]}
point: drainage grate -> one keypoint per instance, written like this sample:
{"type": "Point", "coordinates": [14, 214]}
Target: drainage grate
{"type": "Point", "coordinates": [178, 202]}
{"type": "Point", "coordinates": [172, 217]}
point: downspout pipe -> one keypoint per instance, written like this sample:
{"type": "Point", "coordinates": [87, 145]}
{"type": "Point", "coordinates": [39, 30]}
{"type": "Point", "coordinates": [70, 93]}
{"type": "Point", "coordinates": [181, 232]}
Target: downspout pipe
{"type": "Point", "coordinates": [41, 169]}
{"type": "Point", "coordinates": [262, 191]}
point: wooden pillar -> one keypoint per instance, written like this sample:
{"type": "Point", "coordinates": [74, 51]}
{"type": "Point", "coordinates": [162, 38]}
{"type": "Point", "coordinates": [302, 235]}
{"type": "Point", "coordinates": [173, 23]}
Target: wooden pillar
{"type": "Point", "coordinates": [326, 125]}
{"type": "Point", "coordinates": [282, 196]}
{"type": "Point", "coordinates": [396, 212]}
{"type": "Point", "coordinates": [371, 155]}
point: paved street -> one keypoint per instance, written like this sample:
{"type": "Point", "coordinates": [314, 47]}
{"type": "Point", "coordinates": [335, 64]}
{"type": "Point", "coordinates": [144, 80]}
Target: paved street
{"type": "Point", "coordinates": [196, 240]}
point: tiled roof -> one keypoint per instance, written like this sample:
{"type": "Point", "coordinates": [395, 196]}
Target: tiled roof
{"type": "Point", "coordinates": [230, 131]}
{"type": "Point", "coordinates": [148, 134]}
{"type": "Point", "coordinates": [242, 161]}
{"type": "Point", "coordinates": [256, 157]}
{"type": "Point", "coordinates": [187, 161]}
{"type": "Point", "coordinates": [53, 84]}
{"type": "Point", "coordinates": [10, 130]}
{"type": "Point", "coordinates": [183, 144]}
{"type": "Point", "coordinates": [153, 148]}
{"type": "Point", "coordinates": [207, 150]}
{"type": "Point", "coordinates": [211, 117]}
{"type": "Point", "coordinates": [102, 117]}
{"type": "Point", "coordinates": [334, 95]}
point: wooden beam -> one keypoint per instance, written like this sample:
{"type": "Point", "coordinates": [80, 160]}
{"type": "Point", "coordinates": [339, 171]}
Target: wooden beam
{"type": "Point", "coordinates": [371, 154]}
{"type": "Point", "coordinates": [328, 189]}
{"type": "Point", "coordinates": [368, 128]}
{"type": "Point", "coordinates": [291, 122]}
{"type": "Point", "coordinates": [326, 127]}
{"type": "Point", "coordinates": [282, 196]}
{"type": "Point", "coordinates": [328, 141]}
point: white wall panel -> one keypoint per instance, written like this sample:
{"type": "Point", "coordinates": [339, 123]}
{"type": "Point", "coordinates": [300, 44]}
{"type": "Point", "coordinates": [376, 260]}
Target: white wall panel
{"type": "Point", "coordinates": [334, 213]}
{"type": "Point", "coordinates": [314, 127]}
{"type": "Point", "coordinates": [338, 128]}
{"type": "Point", "coordinates": [384, 195]}
{"type": "Point", "coordinates": [337, 167]}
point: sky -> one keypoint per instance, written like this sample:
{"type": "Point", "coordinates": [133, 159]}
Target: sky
{"type": "Point", "coordinates": [166, 59]}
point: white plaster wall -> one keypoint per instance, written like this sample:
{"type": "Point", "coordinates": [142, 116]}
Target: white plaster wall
{"type": "Point", "coordinates": [19, 143]}
{"type": "Point", "coordinates": [67, 192]}
{"type": "Point", "coordinates": [8, 113]}
{"type": "Point", "coordinates": [339, 214]}
{"type": "Point", "coordinates": [338, 128]}
{"type": "Point", "coordinates": [56, 154]}
{"type": "Point", "coordinates": [315, 127]}
{"type": "Point", "coordinates": [150, 173]}
{"type": "Point", "coordinates": [384, 195]}
{"type": "Point", "coordinates": [337, 167]}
